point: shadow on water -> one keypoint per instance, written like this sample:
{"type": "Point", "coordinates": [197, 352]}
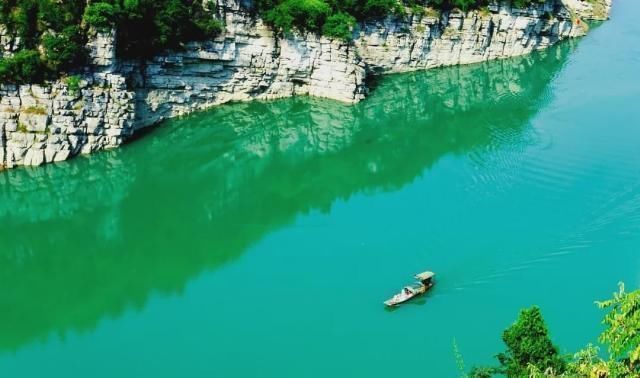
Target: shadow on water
{"type": "Point", "coordinates": [93, 237]}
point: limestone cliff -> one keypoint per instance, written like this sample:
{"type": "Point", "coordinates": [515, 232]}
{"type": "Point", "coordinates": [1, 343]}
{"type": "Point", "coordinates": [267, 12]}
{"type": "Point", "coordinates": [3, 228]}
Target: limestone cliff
{"type": "Point", "coordinates": [46, 123]}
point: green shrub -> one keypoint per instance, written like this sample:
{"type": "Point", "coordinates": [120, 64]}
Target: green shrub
{"type": "Point", "coordinates": [418, 10]}
{"type": "Point", "coordinates": [333, 18]}
{"type": "Point", "coordinates": [304, 15]}
{"type": "Point", "coordinates": [525, 3]}
{"type": "Point", "coordinates": [56, 15]}
{"type": "Point", "coordinates": [167, 24]}
{"type": "Point", "coordinates": [339, 26]}
{"type": "Point", "coordinates": [101, 16]}
{"type": "Point", "coordinates": [528, 347]}
{"type": "Point", "coordinates": [209, 27]}
{"type": "Point", "coordinates": [73, 83]}
{"type": "Point", "coordinates": [528, 343]}
{"type": "Point", "coordinates": [65, 50]}
{"type": "Point", "coordinates": [24, 66]}
{"type": "Point", "coordinates": [380, 8]}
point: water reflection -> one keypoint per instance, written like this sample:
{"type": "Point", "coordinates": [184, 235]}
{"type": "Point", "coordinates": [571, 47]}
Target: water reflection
{"type": "Point", "coordinates": [92, 237]}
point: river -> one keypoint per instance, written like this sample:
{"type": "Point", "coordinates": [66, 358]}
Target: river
{"type": "Point", "coordinates": [260, 239]}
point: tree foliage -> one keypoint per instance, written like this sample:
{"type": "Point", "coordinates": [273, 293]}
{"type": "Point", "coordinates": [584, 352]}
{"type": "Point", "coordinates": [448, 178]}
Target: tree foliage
{"type": "Point", "coordinates": [528, 343]}
{"type": "Point", "coordinates": [336, 18]}
{"type": "Point", "coordinates": [24, 66]}
{"type": "Point", "coordinates": [530, 352]}
{"type": "Point", "coordinates": [52, 34]}
{"type": "Point", "coordinates": [622, 334]}
{"type": "Point", "coordinates": [339, 26]}
{"type": "Point", "coordinates": [146, 27]}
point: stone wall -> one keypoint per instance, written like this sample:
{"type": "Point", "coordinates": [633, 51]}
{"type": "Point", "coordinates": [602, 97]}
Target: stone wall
{"type": "Point", "coordinates": [41, 124]}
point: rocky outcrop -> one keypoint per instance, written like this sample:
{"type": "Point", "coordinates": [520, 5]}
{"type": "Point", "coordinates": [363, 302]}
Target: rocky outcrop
{"type": "Point", "coordinates": [247, 63]}
{"type": "Point", "coordinates": [48, 123]}
{"type": "Point", "coordinates": [41, 124]}
{"type": "Point", "coordinates": [597, 10]}
{"type": "Point", "coordinates": [457, 38]}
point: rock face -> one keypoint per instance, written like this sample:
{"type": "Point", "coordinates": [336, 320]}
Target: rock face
{"type": "Point", "coordinates": [247, 63]}
{"type": "Point", "coordinates": [590, 9]}
{"type": "Point", "coordinates": [42, 124]}
{"type": "Point", "coordinates": [46, 123]}
{"type": "Point", "coordinates": [456, 38]}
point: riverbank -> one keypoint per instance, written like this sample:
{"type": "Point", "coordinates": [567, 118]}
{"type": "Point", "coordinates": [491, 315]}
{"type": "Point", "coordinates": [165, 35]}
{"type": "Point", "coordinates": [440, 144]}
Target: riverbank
{"type": "Point", "coordinates": [43, 124]}
{"type": "Point", "coordinates": [515, 180]}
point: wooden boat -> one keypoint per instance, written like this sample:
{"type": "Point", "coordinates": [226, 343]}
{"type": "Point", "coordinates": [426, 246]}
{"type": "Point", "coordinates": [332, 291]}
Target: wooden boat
{"type": "Point", "coordinates": [425, 282]}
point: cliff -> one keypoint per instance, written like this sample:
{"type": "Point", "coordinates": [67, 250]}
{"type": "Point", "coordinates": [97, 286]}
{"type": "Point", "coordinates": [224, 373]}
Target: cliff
{"type": "Point", "coordinates": [47, 123]}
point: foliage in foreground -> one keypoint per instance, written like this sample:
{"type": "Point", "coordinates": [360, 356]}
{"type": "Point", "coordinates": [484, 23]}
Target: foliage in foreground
{"type": "Point", "coordinates": [530, 352]}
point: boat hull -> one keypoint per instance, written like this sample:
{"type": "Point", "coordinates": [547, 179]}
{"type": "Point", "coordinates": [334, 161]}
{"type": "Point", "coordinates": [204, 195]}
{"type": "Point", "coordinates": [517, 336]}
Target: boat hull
{"type": "Point", "coordinates": [400, 299]}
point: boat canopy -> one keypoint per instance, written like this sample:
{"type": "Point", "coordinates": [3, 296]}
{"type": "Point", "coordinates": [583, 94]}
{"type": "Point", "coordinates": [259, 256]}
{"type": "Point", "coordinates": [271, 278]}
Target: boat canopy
{"type": "Point", "coordinates": [425, 276]}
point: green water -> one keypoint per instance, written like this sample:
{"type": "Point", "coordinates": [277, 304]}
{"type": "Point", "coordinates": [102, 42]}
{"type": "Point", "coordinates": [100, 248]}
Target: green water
{"type": "Point", "coordinates": [260, 239]}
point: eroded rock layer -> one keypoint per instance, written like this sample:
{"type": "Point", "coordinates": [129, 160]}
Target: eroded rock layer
{"type": "Point", "coordinates": [53, 122]}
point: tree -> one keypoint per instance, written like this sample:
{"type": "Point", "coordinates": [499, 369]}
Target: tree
{"type": "Point", "coordinates": [65, 50]}
{"type": "Point", "coordinates": [528, 343]}
{"type": "Point", "coordinates": [623, 325]}
{"type": "Point", "coordinates": [304, 15]}
{"type": "Point", "coordinates": [622, 337]}
{"type": "Point", "coordinates": [530, 352]}
{"type": "Point", "coordinates": [529, 348]}
{"type": "Point", "coordinates": [339, 26]}
{"type": "Point", "coordinates": [24, 66]}
{"type": "Point", "coordinates": [101, 16]}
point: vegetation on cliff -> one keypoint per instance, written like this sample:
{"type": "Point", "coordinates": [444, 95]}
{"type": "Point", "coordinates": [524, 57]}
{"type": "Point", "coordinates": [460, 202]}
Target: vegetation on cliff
{"type": "Point", "coordinates": [531, 353]}
{"type": "Point", "coordinates": [50, 35]}
{"type": "Point", "coordinates": [334, 18]}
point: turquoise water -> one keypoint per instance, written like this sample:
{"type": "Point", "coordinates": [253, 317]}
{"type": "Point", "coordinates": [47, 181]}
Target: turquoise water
{"type": "Point", "coordinates": [260, 239]}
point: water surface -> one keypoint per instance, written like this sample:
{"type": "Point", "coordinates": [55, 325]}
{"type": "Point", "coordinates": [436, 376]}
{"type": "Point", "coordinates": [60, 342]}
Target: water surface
{"type": "Point", "coordinates": [260, 239]}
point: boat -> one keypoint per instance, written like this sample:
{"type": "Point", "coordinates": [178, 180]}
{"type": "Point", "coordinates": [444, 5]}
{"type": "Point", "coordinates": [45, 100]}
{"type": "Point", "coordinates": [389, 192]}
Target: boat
{"type": "Point", "coordinates": [425, 282]}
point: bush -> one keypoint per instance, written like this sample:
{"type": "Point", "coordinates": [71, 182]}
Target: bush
{"type": "Point", "coordinates": [167, 24]}
{"type": "Point", "coordinates": [209, 27]}
{"type": "Point", "coordinates": [73, 83]}
{"type": "Point", "coordinates": [530, 352]}
{"type": "Point", "coordinates": [24, 66]}
{"type": "Point", "coordinates": [379, 8]}
{"type": "Point", "coordinates": [101, 16]}
{"type": "Point", "coordinates": [528, 347]}
{"type": "Point", "coordinates": [528, 343]}
{"type": "Point", "coordinates": [64, 50]}
{"type": "Point", "coordinates": [333, 18]}
{"type": "Point", "coordinates": [304, 15]}
{"type": "Point", "coordinates": [339, 26]}
{"type": "Point", "coordinates": [525, 3]}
